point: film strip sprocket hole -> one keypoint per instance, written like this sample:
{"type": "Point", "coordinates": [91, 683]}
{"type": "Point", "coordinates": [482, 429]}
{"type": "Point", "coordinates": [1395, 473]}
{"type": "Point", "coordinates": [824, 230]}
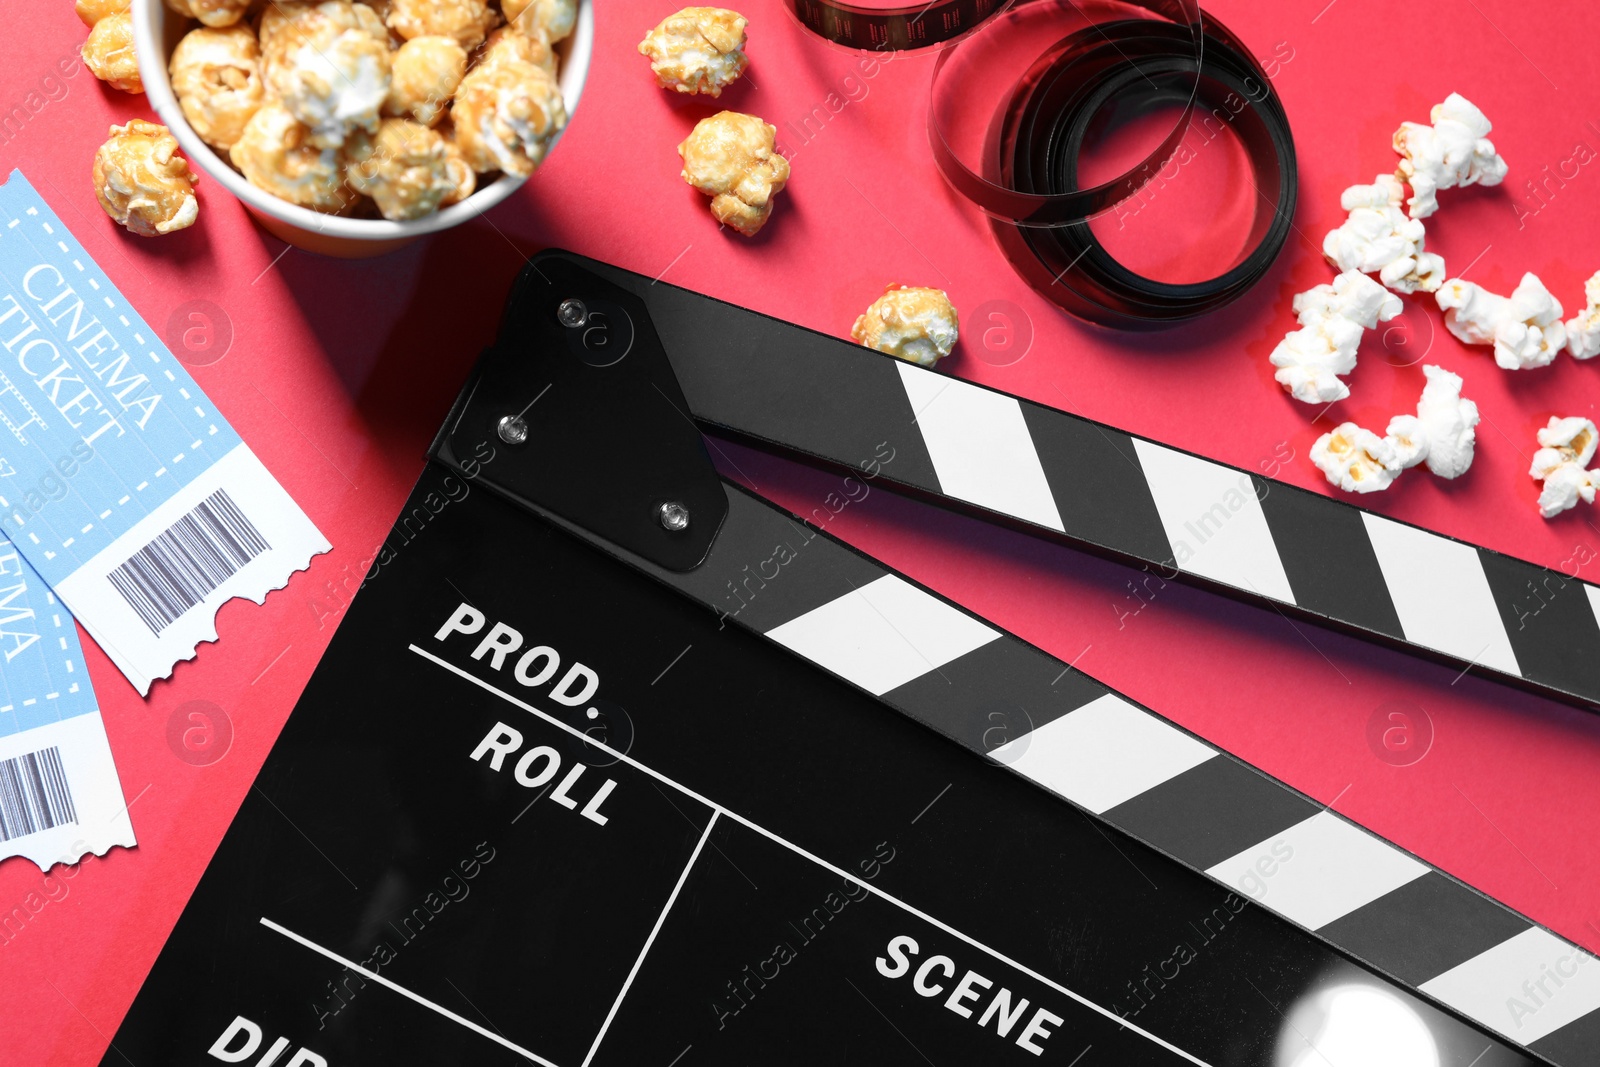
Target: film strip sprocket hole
{"type": "Point", "coordinates": [896, 29]}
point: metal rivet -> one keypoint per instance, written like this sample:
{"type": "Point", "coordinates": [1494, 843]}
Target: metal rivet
{"type": "Point", "coordinates": [673, 516]}
{"type": "Point", "coordinates": [572, 313]}
{"type": "Point", "coordinates": [513, 429]}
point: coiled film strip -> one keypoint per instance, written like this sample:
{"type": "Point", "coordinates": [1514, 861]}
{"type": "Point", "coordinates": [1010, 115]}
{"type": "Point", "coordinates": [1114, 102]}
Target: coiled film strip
{"type": "Point", "coordinates": [1009, 126]}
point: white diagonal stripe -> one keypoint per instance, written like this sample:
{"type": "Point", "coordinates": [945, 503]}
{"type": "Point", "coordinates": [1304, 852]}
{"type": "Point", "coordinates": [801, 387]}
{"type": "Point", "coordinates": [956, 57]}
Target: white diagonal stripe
{"type": "Point", "coordinates": [883, 635]}
{"type": "Point", "coordinates": [1318, 870]}
{"type": "Point", "coordinates": [1104, 753]}
{"type": "Point", "coordinates": [1526, 987]}
{"type": "Point", "coordinates": [1213, 521]}
{"type": "Point", "coordinates": [1440, 593]}
{"type": "Point", "coordinates": [1593, 593]}
{"type": "Point", "coordinates": [980, 446]}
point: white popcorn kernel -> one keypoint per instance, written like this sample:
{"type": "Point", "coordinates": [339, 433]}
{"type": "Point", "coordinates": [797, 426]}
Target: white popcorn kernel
{"type": "Point", "coordinates": [1454, 151]}
{"type": "Point", "coordinates": [916, 324]}
{"type": "Point", "coordinates": [1356, 460]}
{"type": "Point", "coordinates": [1583, 332]}
{"type": "Point", "coordinates": [1564, 487]}
{"type": "Point", "coordinates": [1566, 445]}
{"type": "Point", "coordinates": [1409, 438]}
{"type": "Point", "coordinates": [1378, 237]}
{"type": "Point", "coordinates": [1441, 434]}
{"type": "Point", "coordinates": [1332, 319]}
{"type": "Point", "coordinates": [1569, 440]}
{"type": "Point", "coordinates": [1450, 422]}
{"type": "Point", "coordinates": [1524, 328]}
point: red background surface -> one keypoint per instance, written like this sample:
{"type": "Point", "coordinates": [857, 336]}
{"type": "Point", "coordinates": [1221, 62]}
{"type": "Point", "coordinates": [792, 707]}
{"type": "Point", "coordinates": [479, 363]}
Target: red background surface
{"type": "Point", "coordinates": [338, 373]}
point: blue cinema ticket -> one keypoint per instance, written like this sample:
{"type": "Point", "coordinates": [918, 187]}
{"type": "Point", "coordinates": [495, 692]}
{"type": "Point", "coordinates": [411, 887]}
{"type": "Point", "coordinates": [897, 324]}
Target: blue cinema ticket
{"type": "Point", "coordinates": [60, 791]}
{"type": "Point", "coordinates": [123, 486]}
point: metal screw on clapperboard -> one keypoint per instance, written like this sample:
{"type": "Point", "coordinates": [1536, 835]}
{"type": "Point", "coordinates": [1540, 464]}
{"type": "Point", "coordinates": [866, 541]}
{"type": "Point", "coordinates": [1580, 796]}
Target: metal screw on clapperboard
{"type": "Point", "coordinates": [572, 313]}
{"type": "Point", "coordinates": [513, 429]}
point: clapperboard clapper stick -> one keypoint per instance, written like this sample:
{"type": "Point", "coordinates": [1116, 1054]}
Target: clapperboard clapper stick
{"type": "Point", "coordinates": [545, 800]}
{"type": "Point", "coordinates": [1009, 460]}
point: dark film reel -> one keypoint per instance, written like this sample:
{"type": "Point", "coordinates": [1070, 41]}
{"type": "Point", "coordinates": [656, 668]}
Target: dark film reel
{"type": "Point", "coordinates": [1019, 90]}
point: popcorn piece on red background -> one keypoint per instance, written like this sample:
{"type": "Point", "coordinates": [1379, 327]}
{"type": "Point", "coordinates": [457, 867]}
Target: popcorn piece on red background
{"type": "Point", "coordinates": [108, 53]}
{"type": "Point", "coordinates": [1564, 487]}
{"type": "Point", "coordinates": [1566, 445]}
{"type": "Point", "coordinates": [1454, 151]}
{"type": "Point", "coordinates": [1409, 438]}
{"type": "Point", "coordinates": [1583, 332]}
{"type": "Point", "coordinates": [1332, 319]}
{"type": "Point", "coordinates": [142, 182]}
{"type": "Point", "coordinates": [1441, 434]}
{"type": "Point", "coordinates": [733, 158]}
{"type": "Point", "coordinates": [1356, 460]}
{"type": "Point", "coordinates": [917, 325]}
{"type": "Point", "coordinates": [1378, 237]}
{"type": "Point", "coordinates": [697, 50]}
{"type": "Point", "coordinates": [216, 76]}
{"type": "Point", "coordinates": [1524, 328]}
{"type": "Point", "coordinates": [1450, 422]}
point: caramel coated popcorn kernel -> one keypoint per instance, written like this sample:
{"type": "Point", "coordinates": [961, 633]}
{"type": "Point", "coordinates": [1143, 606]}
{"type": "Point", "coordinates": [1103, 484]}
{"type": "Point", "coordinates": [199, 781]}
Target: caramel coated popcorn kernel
{"type": "Point", "coordinates": [330, 73]}
{"type": "Point", "coordinates": [108, 53]}
{"type": "Point", "coordinates": [915, 324]}
{"type": "Point", "coordinates": [733, 158]}
{"type": "Point", "coordinates": [468, 21]}
{"type": "Point", "coordinates": [697, 50]}
{"type": "Point", "coordinates": [211, 12]}
{"type": "Point", "coordinates": [556, 19]}
{"type": "Point", "coordinates": [506, 114]}
{"type": "Point", "coordinates": [287, 24]}
{"type": "Point", "coordinates": [142, 182]}
{"type": "Point", "coordinates": [507, 43]}
{"type": "Point", "coordinates": [92, 11]}
{"type": "Point", "coordinates": [406, 169]}
{"type": "Point", "coordinates": [216, 76]}
{"type": "Point", "coordinates": [461, 172]}
{"type": "Point", "coordinates": [424, 75]}
{"type": "Point", "coordinates": [275, 153]}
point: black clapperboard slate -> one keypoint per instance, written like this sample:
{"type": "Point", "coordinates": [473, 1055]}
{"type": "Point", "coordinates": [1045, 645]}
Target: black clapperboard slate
{"type": "Point", "coordinates": [543, 801]}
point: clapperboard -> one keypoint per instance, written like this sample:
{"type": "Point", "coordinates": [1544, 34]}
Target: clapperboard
{"type": "Point", "coordinates": [848, 821]}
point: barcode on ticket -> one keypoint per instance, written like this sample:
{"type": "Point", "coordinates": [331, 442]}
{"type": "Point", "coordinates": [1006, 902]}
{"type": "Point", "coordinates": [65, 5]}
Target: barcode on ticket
{"type": "Point", "coordinates": [34, 794]}
{"type": "Point", "coordinates": [195, 555]}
